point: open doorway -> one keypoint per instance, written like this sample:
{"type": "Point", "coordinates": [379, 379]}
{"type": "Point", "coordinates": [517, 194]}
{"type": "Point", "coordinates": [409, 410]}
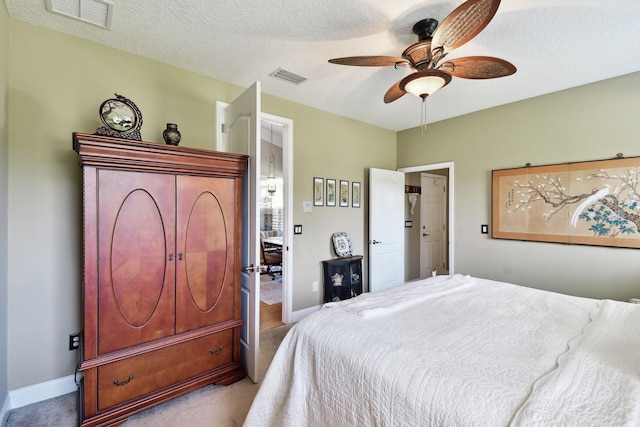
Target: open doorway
{"type": "Point", "coordinates": [417, 225]}
{"type": "Point", "coordinates": [272, 224]}
{"type": "Point", "coordinates": [282, 135]}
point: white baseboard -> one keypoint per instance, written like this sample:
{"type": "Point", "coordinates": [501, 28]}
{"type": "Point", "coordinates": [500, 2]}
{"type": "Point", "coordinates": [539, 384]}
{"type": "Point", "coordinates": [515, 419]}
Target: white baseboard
{"type": "Point", "coordinates": [4, 410]}
{"type": "Point", "coordinates": [300, 314]}
{"type": "Point", "coordinates": [41, 391]}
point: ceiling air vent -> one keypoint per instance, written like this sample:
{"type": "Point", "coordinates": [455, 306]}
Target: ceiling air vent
{"type": "Point", "coordinates": [96, 12]}
{"type": "Point", "coordinates": [288, 76]}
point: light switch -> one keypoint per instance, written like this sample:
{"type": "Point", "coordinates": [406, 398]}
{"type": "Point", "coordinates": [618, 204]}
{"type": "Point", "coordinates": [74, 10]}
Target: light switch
{"type": "Point", "coordinates": [484, 229]}
{"type": "Point", "coordinates": [297, 229]}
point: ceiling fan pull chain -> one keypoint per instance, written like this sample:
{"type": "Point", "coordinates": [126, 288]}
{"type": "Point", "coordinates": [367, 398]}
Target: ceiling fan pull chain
{"type": "Point", "coordinates": [423, 118]}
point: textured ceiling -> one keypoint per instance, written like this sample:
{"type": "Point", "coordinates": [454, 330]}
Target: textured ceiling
{"type": "Point", "coordinates": [555, 44]}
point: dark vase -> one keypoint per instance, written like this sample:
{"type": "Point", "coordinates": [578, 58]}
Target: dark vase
{"type": "Point", "coordinates": [171, 134]}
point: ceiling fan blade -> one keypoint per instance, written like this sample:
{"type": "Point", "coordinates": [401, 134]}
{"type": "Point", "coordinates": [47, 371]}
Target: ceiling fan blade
{"type": "Point", "coordinates": [478, 67]}
{"type": "Point", "coordinates": [463, 24]}
{"type": "Point", "coordinates": [369, 61]}
{"type": "Point", "coordinates": [393, 93]}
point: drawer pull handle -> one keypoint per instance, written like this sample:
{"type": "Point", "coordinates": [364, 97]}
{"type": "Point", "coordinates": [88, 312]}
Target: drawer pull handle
{"type": "Point", "coordinates": [213, 353]}
{"type": "Point", "coordinates": [118, 384]}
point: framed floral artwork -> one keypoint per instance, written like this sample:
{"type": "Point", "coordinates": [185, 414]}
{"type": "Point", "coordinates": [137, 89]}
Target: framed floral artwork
{"type": "Point", "coordinates": [344, 193]}
{"type": "Point", "coordinates": [355, 194]}
{"type": "Point", "coordinates": [589, 203]}
{"type": "Point", "coordinates": [330, 193]}
{"type": "Point", "coordinates": [318, 191]}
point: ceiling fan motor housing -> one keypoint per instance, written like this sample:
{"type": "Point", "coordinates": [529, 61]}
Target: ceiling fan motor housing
{"type": "Point", "coordinates": [425, 28]}
{"type": "Point", "coordinates": [420, 54]}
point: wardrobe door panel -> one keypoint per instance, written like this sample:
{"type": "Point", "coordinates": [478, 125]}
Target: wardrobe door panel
{"type": "Point", "coordinates": [136, 266]}
{"type": "Point", "coordinates": [206, 267]}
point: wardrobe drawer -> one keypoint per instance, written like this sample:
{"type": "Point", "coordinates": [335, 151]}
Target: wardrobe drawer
{"type": "Point", "coordinates": [138, 375]}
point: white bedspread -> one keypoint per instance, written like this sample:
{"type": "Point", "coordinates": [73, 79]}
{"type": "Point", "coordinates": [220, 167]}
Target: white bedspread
{"type": "Point", "coordinates": [457, 351]}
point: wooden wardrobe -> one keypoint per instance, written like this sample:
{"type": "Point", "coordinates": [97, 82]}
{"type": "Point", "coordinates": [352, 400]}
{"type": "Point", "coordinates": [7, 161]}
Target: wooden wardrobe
{"type": "Point", "coordinates": [161, 279]}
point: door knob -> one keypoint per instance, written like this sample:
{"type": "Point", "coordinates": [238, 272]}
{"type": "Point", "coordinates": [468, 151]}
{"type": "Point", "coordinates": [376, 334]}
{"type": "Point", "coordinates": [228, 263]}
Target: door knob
{"type": "Point", "coordinates": [426, 234]}
{"type": "Point", "coordinates": [374, 242]}
{"type": "Point", "coordinates": [251, 269]}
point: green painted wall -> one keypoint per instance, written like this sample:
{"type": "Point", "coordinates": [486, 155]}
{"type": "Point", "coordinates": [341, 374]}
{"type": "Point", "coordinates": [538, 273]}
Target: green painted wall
{"type": "Point", "coordinates": [4, 188]}
{"type": "Point", "coordinates": [57, 84]}
{"type": "Point", "coordinates": [590, 122]}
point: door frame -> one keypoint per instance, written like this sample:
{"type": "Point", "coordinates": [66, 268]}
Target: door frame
{"type": "Point", "coordinates": [450, 199]}
{"type": "Point", "coordinates": [287, 178]}
{"type": "Point", "coordinates": [287, 242]}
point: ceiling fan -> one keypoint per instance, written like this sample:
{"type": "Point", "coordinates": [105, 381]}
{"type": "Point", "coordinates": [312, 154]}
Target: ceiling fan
{"type": "Point", "coordinates": [426, 57]}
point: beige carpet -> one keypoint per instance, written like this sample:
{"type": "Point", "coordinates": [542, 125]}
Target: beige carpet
{"type": "Point", "coordinates": [218, 406]}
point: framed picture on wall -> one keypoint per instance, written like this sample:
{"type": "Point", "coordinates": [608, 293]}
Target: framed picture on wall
{"type": "Point", "coordinates": [355, 194]}
{"type": "Point", "coordinates": [589, 203]}
{"type": "Point", "coordinates": [330, 194]}
{"type": "Point", "coordinates": [318, 191]}
{"type": "Point", "coordinates": [344, 193]}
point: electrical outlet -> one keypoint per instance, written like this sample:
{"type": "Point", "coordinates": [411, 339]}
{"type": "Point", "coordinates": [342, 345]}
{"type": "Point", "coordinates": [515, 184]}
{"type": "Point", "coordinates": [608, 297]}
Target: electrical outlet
{"type": "Point", "coordinates": [314, 286]}
{"type": "Point", "coordinates": [74, 341]}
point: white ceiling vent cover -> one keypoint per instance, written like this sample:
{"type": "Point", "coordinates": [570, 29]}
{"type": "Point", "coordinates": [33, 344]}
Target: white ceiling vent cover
{"type": "Point", "coordinates": [96, 12]}
{"type": "Point", "coordinates": [288, 76]}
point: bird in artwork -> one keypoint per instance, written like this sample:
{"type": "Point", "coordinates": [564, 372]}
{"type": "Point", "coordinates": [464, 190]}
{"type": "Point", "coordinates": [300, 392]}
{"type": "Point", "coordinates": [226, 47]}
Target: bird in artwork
{"type": "Point", "coordinates": [593, 198]}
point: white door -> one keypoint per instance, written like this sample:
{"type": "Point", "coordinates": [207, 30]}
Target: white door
{"type": "Point", "coordinates": [241, 131]}
{"type": "Point", "coordinates": [386, 229]}
{"type": "Point", "coordinates": [433, 224]}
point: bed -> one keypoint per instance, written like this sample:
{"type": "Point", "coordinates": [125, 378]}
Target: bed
{"type": "Point", "coordinates": [457, 351]}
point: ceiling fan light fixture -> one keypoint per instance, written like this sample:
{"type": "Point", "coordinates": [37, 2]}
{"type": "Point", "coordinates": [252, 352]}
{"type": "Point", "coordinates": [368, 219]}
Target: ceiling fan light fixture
{"type": "Point", "coordinates": [425, 83]}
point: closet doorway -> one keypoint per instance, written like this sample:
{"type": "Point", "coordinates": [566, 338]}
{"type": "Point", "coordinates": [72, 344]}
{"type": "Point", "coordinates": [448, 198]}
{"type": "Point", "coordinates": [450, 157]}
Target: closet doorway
{"type": "Point", "coordinates": [413, 235]}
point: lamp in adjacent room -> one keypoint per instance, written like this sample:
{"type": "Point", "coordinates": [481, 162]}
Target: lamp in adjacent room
{"type": "Point", "coordinates": [271, 178]}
